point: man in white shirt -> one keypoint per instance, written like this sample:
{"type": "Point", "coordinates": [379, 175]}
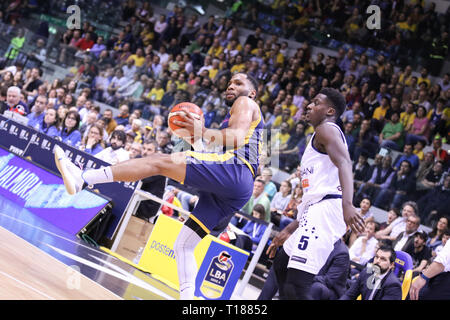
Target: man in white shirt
{"type": "Point", "coordinates": [405, 240]}
{"type": "Point", "coordinates": [363, 249]}
{"type": "Point", "coordinates": [397, 226]}
{"type": "Point", "coordinates": [115, 153]}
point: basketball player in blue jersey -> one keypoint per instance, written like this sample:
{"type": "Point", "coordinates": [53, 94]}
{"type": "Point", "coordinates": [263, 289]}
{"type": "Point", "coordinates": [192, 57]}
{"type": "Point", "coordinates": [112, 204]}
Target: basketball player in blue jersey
{"type": "Point", "coordinates": [326, 208]}
{"type": "Point", "coordinates": [224, 180]}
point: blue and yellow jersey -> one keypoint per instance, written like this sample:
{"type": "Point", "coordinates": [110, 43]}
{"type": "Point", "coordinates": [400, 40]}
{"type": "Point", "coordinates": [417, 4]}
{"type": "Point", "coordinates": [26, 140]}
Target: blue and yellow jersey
{"type": "Point", "coordinates": [251, 151]}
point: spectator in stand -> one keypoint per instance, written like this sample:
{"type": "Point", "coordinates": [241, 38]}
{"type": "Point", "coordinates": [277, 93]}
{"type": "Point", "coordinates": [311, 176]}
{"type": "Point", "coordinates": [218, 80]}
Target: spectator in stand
{"type": "Point", "coordinates": [393, 215]}
{"type": "Point", "coordinates": [435, 203]}
{"type": "Point", "coordinates": [36, 117]}
{"type": "Point", "coordinates": [420, 127]}
{"type": "Point", "coordinates": [420, 253]}
{"type": "Point", "coordinates": [392, 134]}
{"type": "Point", "coordinates": [381, 179]}
{"type": "Point", "coordinates": [402, 185]}
{"type": "Point", "coordinates": [435, 236]}
{"type": "Point", "coordinates": [123, 116]}
{"type": "Point", "coordinates": [135, 150]}
{"type": "Point", "coordinates": [111, 123]}
{"type": "Point", "coordinates": [440, 153]}
{"type": "Point", "coordinates": [361, 170]}
{"type": "Point", "coordinates": [280, 201]}
{"type": "Point", "coordinates": [69, 133]}
{"type": "Point", "coordinates": [364, 211]}
{"type": "Point", "coordinates": [398, 226]}
{"type": "Point", "coordinates": [409, 156]}
{"type": "Point", "coordinates": [405, 240]}
{"type": "Point", "coordinates": [254, 230]}
{"type": "Point", "coordinates": [363, 249]}
{"type": "Point", "coordinates": [432, 179]}
{"type": "Point", "coordinates": [258, 197]}
{"type": "Point", "coordinates": [49, 125]}
{"type": "Point", "coordinates": [93, 142]}
{"type": "Point", "coordinates": [115, 152]}
{"type": "Point", "coordinates": [14, 101]}
{"type": "Point", "coordinates": [269, 188]}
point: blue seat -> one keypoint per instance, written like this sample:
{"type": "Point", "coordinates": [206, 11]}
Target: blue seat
{"type": "Point", "coordinates": [404, 263]}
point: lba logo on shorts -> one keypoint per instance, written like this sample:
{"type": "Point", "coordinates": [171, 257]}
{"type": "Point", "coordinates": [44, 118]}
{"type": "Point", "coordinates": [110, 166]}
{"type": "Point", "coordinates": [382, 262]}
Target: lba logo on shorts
{"type": "Point", "coordinates": [217, 276]}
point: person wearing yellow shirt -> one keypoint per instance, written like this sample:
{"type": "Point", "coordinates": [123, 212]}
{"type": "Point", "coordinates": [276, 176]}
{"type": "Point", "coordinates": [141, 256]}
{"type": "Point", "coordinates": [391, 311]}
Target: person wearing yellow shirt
{"type": "Point", "coordinates": [380, 112]}
{"type": "Point", "coordinates": [215, 69]}
{"type": "Point", "coordinates": [407, 25]}
{"type": "Point", "coordinates": [157, 92]}
{"type": "Point", "coordinates": [216, 49]}
{"type": "Point", "coordinates": [407, 116]}
{"type": "Point", "coordinates": [424, 77]}
{"type": "Point", "coordinates": [284, 117]}
{"type": "Point", "coordinates": [138, 58]}
{"type": "Point", "coordinates": [406, 76]}
{"type": "Point", "coordinates": [239, 65]}
{"type": "Point", "coordinates": [287, 104]}
{"type": "Point", "coordinates": [282, 136]}
{"type": "Point", "coordinates": [181, 82]}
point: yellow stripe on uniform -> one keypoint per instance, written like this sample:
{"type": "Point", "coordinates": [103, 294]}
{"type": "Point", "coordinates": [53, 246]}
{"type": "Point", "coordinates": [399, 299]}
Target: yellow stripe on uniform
{"type": "Point", "coordinates": [199, 223]}
{"type": "Point", "coordinates": [252, 128]}
{"type": "Point", "coordinates": [213, 156]}
{"type": "Point", "coordinates": [247, 164]}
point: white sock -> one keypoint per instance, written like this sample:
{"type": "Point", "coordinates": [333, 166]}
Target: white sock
{"type": "Point", "coordinates": [187, 268]}
{"type": "Point", "coordinates": [95, 176]}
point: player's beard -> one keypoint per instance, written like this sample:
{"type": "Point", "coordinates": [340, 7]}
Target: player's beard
{"type": "Point", "coordinates": [231, 101]}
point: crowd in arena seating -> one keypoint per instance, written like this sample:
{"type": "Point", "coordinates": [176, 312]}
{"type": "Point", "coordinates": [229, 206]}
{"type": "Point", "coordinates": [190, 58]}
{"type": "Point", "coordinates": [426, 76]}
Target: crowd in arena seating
{"type": "Point", "coordinates": [396, 124]}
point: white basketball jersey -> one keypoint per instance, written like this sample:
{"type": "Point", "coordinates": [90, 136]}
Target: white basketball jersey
{"type": "Point", "coordinates": [319, 175]}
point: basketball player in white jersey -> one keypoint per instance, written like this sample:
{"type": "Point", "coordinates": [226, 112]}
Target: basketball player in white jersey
{"type": "Point", "coordinates": [326, 208]}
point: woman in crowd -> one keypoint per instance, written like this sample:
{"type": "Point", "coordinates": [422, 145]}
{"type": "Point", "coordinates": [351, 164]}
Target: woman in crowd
{"type": "Point", "coordinates": [49, 124]}
{"type": "Point", "coordinates": [93, 143]}
{"type": "Point", "coordinates": [69, 133]}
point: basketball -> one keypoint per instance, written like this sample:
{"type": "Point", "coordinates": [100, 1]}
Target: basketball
{"type": "Point", "coordinates": [177, 110]}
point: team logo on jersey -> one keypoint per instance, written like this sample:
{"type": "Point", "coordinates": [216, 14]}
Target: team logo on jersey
{"type": "Point", "coordinates": [217, 276]}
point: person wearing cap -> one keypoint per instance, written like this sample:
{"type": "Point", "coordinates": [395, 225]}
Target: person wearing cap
{"type": "Point", "coordinates": [115, 153]}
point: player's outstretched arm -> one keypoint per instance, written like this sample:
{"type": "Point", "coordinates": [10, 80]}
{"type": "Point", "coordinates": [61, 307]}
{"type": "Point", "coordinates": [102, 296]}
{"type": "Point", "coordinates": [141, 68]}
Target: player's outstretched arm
{"type": "Point", "coordinates": [329, 140]}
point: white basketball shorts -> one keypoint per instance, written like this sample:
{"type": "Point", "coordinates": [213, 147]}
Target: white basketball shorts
{"type": "Point", "coordinates": [320, 226]}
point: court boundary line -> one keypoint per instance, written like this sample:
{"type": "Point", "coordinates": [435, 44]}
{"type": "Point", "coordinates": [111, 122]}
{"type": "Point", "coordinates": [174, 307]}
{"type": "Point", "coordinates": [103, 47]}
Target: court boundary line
{"type": "Point", "coordinates": [26, 285]}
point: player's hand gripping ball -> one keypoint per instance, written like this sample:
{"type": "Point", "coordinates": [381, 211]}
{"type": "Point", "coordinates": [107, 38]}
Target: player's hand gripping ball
{"type": "Point", "coordinates": [180, 112]}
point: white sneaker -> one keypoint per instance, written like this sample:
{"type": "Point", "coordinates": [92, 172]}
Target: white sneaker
{"type": "Point", "coordinates": [70, 173]}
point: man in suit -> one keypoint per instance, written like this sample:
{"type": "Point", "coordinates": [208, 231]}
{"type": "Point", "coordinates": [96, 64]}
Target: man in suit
{"type": "Point", "coordinates": [405, 240]}
{"type": "Point", "coordinates": [330, 282]}
{"type": "Point", "coordinates": [377, 282]}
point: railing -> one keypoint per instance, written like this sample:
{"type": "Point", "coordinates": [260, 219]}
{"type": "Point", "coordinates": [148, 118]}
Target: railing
{"type": "Point", "coordinates": [140, 195]}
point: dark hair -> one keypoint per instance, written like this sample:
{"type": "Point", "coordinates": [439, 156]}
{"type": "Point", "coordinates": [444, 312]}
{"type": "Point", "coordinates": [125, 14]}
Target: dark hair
{"type": "Point", "coordinates": [77, 125]}
{"type": "Point", "coordinates": [391, 250]}
{"type": "Point", "coordinates": [422, 234]}
{"type": "Point", "coordinates": [396, 211]}
{"type": "Point", "coordinates": [120, 135]}
{"type": "Point", "coordinates": [253, 81]}
{"type": "Point", "coordinates": [337, 100]}
{"type": "Point", "coordinates": [259, 208]}
{"type": "Point", "coordinates": [376, 224]}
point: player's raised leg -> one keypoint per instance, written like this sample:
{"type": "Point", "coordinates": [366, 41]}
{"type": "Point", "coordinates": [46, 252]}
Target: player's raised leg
{"type": "Point", "coordinates": [169, 165]}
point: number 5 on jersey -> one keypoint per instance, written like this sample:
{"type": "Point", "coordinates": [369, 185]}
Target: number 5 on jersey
{"type": "Point", "coordinates": [303, 243]}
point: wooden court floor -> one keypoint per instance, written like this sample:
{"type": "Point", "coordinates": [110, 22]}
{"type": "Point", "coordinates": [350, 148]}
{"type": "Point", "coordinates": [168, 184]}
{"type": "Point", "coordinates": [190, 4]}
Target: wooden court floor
{"type": "Point", "coordinates": [28, 273]}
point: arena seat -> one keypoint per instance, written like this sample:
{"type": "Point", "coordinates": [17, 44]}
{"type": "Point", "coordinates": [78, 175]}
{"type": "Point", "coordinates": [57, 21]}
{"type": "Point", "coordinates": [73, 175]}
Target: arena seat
{"type": "Point", "coordinates": [404, 264]}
